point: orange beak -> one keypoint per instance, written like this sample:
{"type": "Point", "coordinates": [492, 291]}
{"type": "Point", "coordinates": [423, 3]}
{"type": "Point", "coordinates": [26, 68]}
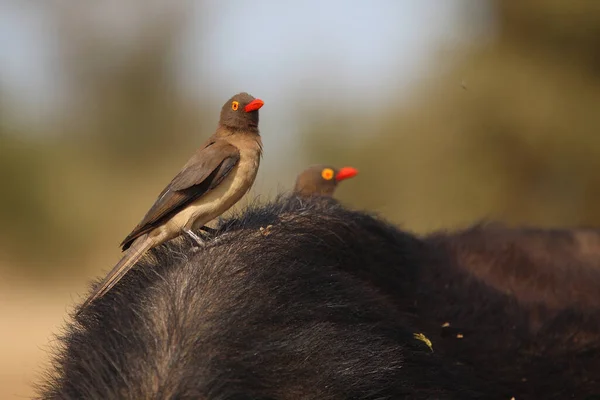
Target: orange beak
{"type": "Point", "coordinates": [345, 173]}
{"type": "Point", "coordinates": [254, 105]}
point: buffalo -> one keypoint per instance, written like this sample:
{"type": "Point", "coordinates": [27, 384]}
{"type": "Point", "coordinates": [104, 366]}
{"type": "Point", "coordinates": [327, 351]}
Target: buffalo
{"type": "Point", "coordinates": [302, 298]}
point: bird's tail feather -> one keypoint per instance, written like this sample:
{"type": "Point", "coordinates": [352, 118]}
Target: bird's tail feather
{"type": "Point", "coordinates": [132, 255]}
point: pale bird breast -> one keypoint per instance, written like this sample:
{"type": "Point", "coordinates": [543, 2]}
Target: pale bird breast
{"type": "Point", "coordinates": [248, 167]}
{"type": "Point", "coordinates": [242, 177]}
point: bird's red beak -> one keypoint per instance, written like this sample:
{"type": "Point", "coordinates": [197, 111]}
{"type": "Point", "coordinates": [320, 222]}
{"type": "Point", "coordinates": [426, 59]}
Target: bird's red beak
{"type": "Point", "coordinates": [345, 173]}
{"type": "Point", "coordinates": [254, 105]}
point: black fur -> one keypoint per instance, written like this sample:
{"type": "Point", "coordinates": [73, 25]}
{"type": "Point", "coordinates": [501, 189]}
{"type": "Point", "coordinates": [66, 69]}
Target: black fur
{"type": "Point", "coordinates": [292, 312]}
{"type": "Point", "coordinates": [527, 302]}
{"type": "Point", "coordinates": [321, 305]}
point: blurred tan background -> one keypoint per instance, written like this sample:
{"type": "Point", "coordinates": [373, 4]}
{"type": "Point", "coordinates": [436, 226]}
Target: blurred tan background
{"type": "Point", "coordinates": [452, 111]}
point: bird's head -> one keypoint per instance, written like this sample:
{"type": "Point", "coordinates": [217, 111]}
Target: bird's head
{"type": "Point", "coordinates": [241, 112]}
{"type": "Point", "coordinates": [322, 179]}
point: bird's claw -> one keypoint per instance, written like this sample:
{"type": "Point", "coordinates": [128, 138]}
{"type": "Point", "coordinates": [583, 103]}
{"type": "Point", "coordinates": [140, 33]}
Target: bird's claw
{"type": "Point", "coordinates": [209, 230]}
{"type": "Point", "coordinates": [195, 237]}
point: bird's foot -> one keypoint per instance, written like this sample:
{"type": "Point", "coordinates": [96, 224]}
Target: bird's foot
{"type": "Point", "coordinates": [195, 237]}
{"type": "Point", "coordinates": [209, 230]}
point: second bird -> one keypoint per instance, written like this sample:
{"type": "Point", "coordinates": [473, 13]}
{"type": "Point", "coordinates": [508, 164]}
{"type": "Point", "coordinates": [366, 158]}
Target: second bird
{"type": "Point", "coordinates": [321, 180]}
{"type": "Point", "coordinates": [212, 181]}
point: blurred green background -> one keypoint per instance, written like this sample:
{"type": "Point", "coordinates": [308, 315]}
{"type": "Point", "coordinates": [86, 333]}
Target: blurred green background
{"type": "Point", "coordinates": [453, 112]}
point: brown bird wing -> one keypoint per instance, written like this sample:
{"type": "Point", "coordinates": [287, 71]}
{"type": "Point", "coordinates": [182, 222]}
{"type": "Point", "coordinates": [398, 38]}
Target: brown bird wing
{"type": "Point", "coordinates": [203, 172]}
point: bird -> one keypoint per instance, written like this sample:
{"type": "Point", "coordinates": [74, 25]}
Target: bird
{"type": "Point", "coordinates": [216, 177]}
{"type": "Point", "coordinates": [321, 180]}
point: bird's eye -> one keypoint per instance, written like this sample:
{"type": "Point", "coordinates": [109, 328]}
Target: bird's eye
{"type": "Point", "coordinates": [327, 174]}
{"type": "Point", "coordinates": [235, 105]}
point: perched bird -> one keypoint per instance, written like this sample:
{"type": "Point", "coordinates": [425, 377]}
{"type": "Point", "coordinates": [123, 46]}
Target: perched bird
{"type": "Point", "coordinates": [212, 181]}
{"type": "Point", "coordinates": [321, 179]}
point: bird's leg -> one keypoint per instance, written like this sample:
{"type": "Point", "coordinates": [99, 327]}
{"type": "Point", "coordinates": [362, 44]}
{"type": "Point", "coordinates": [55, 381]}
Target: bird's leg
{"type": "Point", "coordinates": [194, 237]}
{"type": "Point", "coordinates": [215, 239]}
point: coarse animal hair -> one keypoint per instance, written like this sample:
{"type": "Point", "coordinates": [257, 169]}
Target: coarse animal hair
{"type": "Point", "coordinates": [298, 298]}
{"type": "Point", "coordinates": [302, 298]}
{"type": "Point", "coordinates": [520, 304]}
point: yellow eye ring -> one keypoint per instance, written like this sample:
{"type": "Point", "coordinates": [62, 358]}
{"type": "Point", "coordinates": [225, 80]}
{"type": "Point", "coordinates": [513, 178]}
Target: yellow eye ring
{"type": "Point", "coordinates": [235, 105]}
{"type": "Point", "coordinates": [327, 174]}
